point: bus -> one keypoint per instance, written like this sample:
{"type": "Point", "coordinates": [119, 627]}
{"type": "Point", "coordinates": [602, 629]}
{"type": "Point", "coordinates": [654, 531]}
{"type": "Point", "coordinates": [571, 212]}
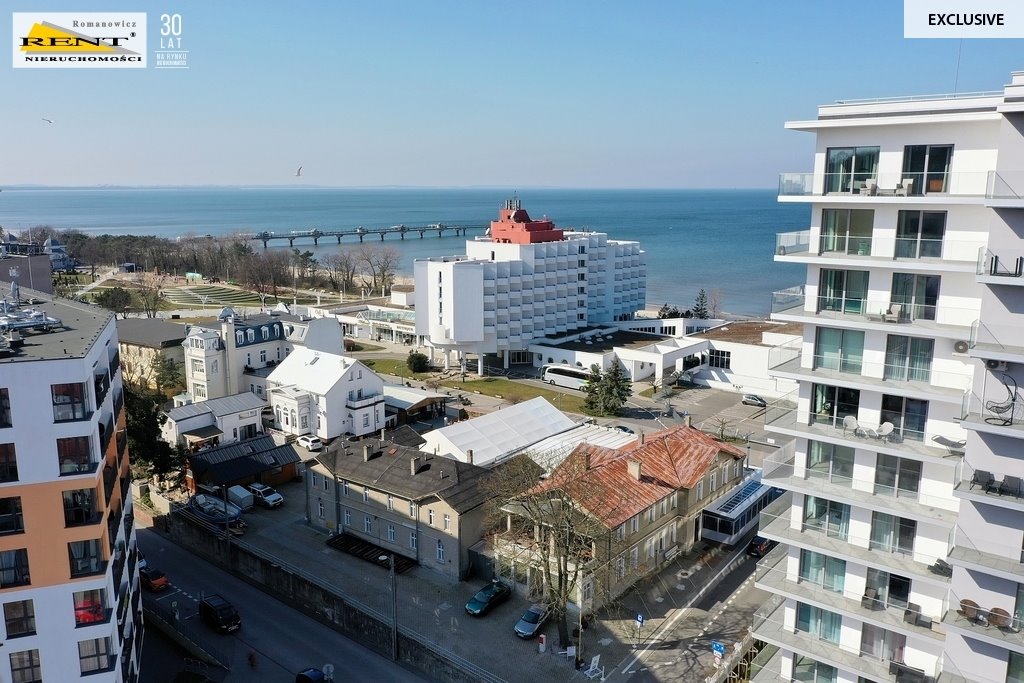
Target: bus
{"type": "Point", "coordinates": [564, 376]}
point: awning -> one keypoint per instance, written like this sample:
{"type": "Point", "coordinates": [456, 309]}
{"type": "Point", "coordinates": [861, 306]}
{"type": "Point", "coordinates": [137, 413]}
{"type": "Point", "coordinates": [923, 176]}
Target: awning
{"type": "Point", "coordinates": [202, 433]}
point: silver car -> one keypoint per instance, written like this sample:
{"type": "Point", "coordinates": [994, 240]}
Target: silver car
{"type": "Point", "coordinates": [532, 621]}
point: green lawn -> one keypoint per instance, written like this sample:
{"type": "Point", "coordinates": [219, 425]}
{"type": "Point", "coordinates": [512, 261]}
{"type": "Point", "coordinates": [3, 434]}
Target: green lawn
{"type": "Point", "coordinates": [397, 367]}
{"type": "Point", "coordinates": [518, 391]}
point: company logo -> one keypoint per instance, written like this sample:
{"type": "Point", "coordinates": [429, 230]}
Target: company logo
{"type": "Point", "coordinates": [69, 40]}
{"type": "Point", "coordinates": [963, 19]}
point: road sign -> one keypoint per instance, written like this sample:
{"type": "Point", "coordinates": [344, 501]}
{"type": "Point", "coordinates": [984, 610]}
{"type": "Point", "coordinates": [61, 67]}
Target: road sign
{"type": "Point", "coordinates": [639, 620]}
{"type": "Point", "coordinates": [718, 648]}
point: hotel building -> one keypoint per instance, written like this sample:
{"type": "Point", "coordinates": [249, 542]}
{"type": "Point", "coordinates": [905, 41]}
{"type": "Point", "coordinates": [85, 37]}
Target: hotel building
{"type": "Point", "coordinates": [524, 280]}
{"type": "Point", "coordinates": [68, 563]}
{"type": "Point", "coordinates": [867, 583]}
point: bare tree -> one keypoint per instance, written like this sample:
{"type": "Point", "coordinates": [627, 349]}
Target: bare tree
{"type": "Point", "coordinates": [341, 268]}
{"type": "Point", "coordinates": [147, 294]}
{"type": "Point", "coordinates": [715, 298]}
{"type": "Point", "coordinates": [378, 265]}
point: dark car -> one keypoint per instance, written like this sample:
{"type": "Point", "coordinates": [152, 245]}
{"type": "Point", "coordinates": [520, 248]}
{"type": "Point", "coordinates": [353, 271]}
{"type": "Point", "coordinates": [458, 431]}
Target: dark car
{"type": "Point", "coordinates": [759, 547]}
{"type": "Point", "coordinates": [532, 622]}
{"type": "Point", "coordinates": [624, 429]}
{"type": "Point", "coordinates": [153, 579]}
{"type": "Point", "coordinates": [220, 614]}
{"type": "Point", "coordinates": [754, 400]}
{"type": "Point", "coordinates": [310, 676]}
{"type": "Point", "coordinates": [487, 597]}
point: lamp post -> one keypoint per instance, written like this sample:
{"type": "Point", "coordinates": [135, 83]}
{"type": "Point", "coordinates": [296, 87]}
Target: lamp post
{"type": "Point", "coordinates": [394, 606]}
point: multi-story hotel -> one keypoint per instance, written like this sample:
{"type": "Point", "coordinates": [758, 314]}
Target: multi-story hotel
{"type": "Point", "coordinates": [68, 576]}
{"type": "Point", "coordinates": [903, 196]}
{"type": "Point", "coordinates": [524, 280]}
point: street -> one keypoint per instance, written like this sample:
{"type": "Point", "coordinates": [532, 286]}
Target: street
{"type": "Point", "coordinates": [285, 640]}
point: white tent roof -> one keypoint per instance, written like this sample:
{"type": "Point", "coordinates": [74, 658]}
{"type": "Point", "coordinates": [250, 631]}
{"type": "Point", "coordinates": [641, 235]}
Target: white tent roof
{"type": "Point", "coordinates": [403, 397]}
{"type": "Point", "coordinates": [498, 434]}
{"type": "Point", "coordinates": [550, 452]}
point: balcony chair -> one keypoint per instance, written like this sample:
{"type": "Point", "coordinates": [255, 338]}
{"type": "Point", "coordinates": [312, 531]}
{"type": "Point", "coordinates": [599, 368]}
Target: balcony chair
{"type": "Point", "coordinates": [594, 670]}
{"type": "Point", "coordinates": [955, 447]}
{"type": "Point", "coordinates": [942, 568]}
{"type": "Point", "coordinates": [998, 617]}
{"type": "Point", "coordinates": [893, 315]}
{"type": "Point", "coordinates": [906, 188]}
{"type": "Point", "coordinates": [1010, 486]}
{"type": "Point", "coordinates": [968, 610]}
{"type": "Point", "coordinates": [984, 479]}
{"type": "Point", "coordinates": [885, 430]}
{"type": "Point", "coordinates": [870, 187]}
{"type": "Point", "coordinates": [850, 424]}
{"type": "Point", "coordinates": [870, 600]}
{"type": "Point", "coordinates": [1002, 411]}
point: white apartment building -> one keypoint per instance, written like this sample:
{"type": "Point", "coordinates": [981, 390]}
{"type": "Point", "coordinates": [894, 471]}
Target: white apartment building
{"type": "Point", "coordinates": [237, 354]}
{"type": "Point", "coordinates": [903, 195]}
{"type": "Point", "coordinates": [526, 279]}
{"type": "Point", "coordinates": [984, 640]}
{"type": "Point", "coordinates": [68, 563]}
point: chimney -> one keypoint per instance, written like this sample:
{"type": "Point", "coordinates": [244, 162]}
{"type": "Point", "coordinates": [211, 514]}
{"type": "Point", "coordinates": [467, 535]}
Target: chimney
{"type": "Point", "coordinates": [688, 420]}
{"type": "Point", "coordinates": [441, 474]}
{"type": "Point", "coordinates": [634, 468]}
{"type": "Point", "coordinates": [641, 438]}
{"type": "Point", "coordinates": [414, 465]}
{"type": "Point", "coordinates": [469, 455]}
{"type": "Point", "coordinates": [366, 453]}
{"type": "Point", "coordinates": [382, 436]}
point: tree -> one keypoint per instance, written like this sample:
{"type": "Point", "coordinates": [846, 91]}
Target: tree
{"type": "Point", "coordinates": [547, 526]}
{"type": "Point", "coordinates": [167, 374]}
{"type": "Point", "coordinates": [116, 299]}
{"type": "Point", "coordinates": [417, 362]}
{"type": "Point", "coordinates": [341, 269]}
{"type": "Point", "coordinates": [700, 306]}
{"type": "Point", "coordinates": [715, 302]}
{"type": "Point", "coordinates": [147, 295]}
{"type": "Point", "coordinates": [592, 400]}
{"type": "Point", "coordinates": [378, 265]}
{"type": "Point", "coordinates": [144, 421]}
{"type": "Point", "coordinates": [669, 312]}
{"type": "Point", "coordinates": [607, 392]}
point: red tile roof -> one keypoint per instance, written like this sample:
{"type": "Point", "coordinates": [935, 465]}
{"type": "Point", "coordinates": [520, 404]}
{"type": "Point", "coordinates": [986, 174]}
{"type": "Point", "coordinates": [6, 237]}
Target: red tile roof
{"type": "Point", "coordinates": [599, 479]}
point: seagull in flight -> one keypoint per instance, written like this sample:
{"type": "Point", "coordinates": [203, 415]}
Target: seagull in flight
{"type": "Point", "coordinates": [49, 121]}
{"type": "Point", "coordinates": [298, 173]}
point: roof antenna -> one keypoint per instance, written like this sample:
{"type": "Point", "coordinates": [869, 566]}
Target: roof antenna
{"type": "Point", "coordinates": [956, 75]}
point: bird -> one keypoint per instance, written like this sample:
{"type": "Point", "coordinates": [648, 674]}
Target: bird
{"type": "Point", "coordinates": [299, 172]}
{"type": "Point", "coordinates": [50, 121]}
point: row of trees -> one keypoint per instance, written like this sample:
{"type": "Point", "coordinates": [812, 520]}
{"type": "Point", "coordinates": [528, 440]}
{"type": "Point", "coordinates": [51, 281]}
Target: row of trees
{"type": "Point", "coordinates": [706, 305]}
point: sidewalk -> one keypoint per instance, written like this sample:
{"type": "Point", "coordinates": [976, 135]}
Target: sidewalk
{"type": "Point", "coordinates": [432, 607]}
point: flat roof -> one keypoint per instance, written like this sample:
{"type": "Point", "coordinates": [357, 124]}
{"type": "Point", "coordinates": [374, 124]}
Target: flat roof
{"type": "Point", "coordinates": [83, 324]}
{"type": "Point", "coordinates": [749, 331]}
{"type": "Point", "coordinates": [154, 333]}
{"type": "Point", "coordinates": [607, 342]}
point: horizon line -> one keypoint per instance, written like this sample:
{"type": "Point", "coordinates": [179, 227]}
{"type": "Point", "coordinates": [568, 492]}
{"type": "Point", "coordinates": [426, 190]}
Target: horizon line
{"type": "Point", "coordinates": [36, 186]}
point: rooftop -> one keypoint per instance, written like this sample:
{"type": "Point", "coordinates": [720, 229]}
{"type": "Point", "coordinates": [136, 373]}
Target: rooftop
{"type": "Point", "coordinates": [606, 342]}
{"type": "Point", "coordinates": [225, 405]}
{"type": "Point", "coordinates": [154, 333]}
{"type": "Point", "coordinates": [749, 332]}
{"type": "Point", "coordinates": [82, 326]}
{"type": "Point", "coordinates": [234, 461]}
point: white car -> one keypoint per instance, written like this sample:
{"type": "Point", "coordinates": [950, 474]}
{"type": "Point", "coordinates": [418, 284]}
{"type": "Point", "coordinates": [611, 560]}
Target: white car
{"type": "Point", "coordinates": [310, 442]}
{"type": "Point", "coordinates": [265, 495]}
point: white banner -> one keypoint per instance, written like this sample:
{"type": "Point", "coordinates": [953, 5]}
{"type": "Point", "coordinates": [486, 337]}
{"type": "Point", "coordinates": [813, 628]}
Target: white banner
{"type": "Point", "coordinates": [963, 19]}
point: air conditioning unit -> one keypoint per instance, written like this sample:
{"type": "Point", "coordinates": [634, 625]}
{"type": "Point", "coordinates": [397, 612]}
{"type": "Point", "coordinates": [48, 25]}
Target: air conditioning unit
{"type": "Point", "coordinates": [961, 347]}
{"type": "Point", "coordinates": [999, 365]}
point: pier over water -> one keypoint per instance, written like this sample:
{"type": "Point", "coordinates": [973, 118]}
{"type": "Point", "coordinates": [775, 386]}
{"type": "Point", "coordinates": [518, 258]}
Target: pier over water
{"type": "Point", "coordinates": [316, 234]}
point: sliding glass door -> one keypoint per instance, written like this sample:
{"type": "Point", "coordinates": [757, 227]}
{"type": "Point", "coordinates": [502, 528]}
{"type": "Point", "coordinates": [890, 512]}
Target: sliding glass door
{"type": "Point", "coordinates": [841, 350]}
{"type": "Point", "coordinates": [829, 405]}
{"type": "Point", "coordinates": [846, 168]}
{"type": "Point", "coordinates": [899, 477]}
{"type": "Point", "coordinates": [917, 294]}
{"type": "Point", "coordinates": [830, 462]}
{"type": "Point", "coordinates": [908, 415]}
{"type": "Point", "coordinates": [818, 622]}
{"type": "Point", "coordinates": [822, 570]}
{"type": "Point", "coordinates": [827, 515]}
{"type": "Point", "coordinates": [846, 231]}
{"type": "Point", "coordinates": [885, 645]}
{"type": "Point", "coordinates": [919, 234]}
{"type": "Point", "coordinates": [892, 534]}
{"type": "Point", "coordinates": [891, 590]}
{"type": "Point", "coordinates": [842, 290]}
{"type": "Point", "coordinates": [908, 358]}
{"type": "Point", "coordinates": [928, 166]}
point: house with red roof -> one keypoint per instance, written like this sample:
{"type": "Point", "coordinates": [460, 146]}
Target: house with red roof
{"type": "Point", "coordinates": [633, 508]}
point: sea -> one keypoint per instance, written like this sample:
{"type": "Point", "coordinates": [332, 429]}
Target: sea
{"type": "Point", "coordinates": [694, 239]}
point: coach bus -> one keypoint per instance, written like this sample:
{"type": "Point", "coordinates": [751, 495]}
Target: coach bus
{"type": "Point", "coordinates": [564, 376]}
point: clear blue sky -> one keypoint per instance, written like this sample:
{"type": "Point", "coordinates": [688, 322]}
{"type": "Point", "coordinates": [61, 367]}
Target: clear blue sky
{"type": "Point", "coordinates": [474, 92]}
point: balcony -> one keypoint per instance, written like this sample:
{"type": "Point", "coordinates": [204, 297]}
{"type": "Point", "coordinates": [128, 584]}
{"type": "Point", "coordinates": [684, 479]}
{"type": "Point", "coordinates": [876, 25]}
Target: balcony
{"type": "Point", "coordinates": [990, 487]}
{"type": "Point", "coordinates": [106, 434]}
{"type": "Point", "coordinates": [80, 508]}
{"type": "Point", "coordinates": [995, 270]}
{"type": "Point", "coordinates": [781, 417]}
{"type": "Point", "coordinates": [881, 314]}
{"type": "Point", "coordinates": [893, 187]}
{"type": "Point", "coordinates": [989, 557]}
{"type": "Point", "coordinates": [946, 254]}
{"type": "Point", "coordinates": [118, 404]}
{"type": "Point", "coordinates": [102, 384]}
{"type": "Point", "coordinates": [780, 469]}
{"type": "Point", "coordinates": [363, 401]}
{"type": "Point", "coordinates": [851, 370]}
{"type": "Point", "coordinates": [109, 483]}
{"type": "Point", "coordinates": [772, 576]}
{"type": "Point", "coordinates": [998, 410]}
{"type": "Point", "coordinates": [996, 342]}
{"type": "Point", "coordinates": [995, 625]}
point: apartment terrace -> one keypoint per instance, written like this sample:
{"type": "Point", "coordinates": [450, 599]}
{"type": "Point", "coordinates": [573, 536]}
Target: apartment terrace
{"type": "Point", "coordinates": [948, 254]}
{"type": "Point", "coordinates": [992, 625]}
{"type": "Point", "coordinates": [871, 376]}
{"type": "Point", "coordinates": [988, 557]}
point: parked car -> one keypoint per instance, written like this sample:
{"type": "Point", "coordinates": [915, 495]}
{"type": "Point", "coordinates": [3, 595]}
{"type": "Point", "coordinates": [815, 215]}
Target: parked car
{"type": "Point", "coordinates": [532, 621]}
{"type": "Point", "coordinates": [310, 442]}
{"type": "Point", "coordinates": [310, 676]}
{"type": "Point", "coordinates": [487, 597]}
{"type": "Point", "coordinates": [754, 400]}
{"type": "Point", "coordinates": [219, 614]}
{"type": "Point", "coordinates": [266, 496]}
{"type": "Point", "coordinates": [625, 429]}
{"type": "Point", "coordinates": [153, 579]}
{"type": "Point", "coordinates": [759, 547]}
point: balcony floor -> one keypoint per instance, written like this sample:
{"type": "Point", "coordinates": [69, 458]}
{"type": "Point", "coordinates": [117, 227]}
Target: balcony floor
{"type": "Point", "coordinates": [792, 369]}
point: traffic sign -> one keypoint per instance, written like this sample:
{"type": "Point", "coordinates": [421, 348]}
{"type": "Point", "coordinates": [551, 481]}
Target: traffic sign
{"type": "Point", "coordinates": [639, 620]}
{"type": "Point", "coordinates": [718, 648]}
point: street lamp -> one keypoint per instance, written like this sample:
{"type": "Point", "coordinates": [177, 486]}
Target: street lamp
{"type": "Point", "coordinates": [394, 606]}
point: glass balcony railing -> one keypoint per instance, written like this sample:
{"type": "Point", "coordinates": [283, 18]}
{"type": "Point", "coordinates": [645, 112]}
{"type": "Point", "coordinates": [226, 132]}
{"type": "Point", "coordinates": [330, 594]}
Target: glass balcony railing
{"type": "Point", "coordinates": [901, 248]}
{"type": "Point", "coordinates": [1001, 405]}
{"type": "Point", "coordinates": [1008, 266]}
{"type": "Point", "coordinates": [1003, 620]}
{"type": "Point", "coordinates": [853, 365]}
{"type": "Point", "coordinates": [882, 310]}
{"type": "Point", "coordinates": [788, 243]}
{"type": "Point", "coordinates": [879, 186]}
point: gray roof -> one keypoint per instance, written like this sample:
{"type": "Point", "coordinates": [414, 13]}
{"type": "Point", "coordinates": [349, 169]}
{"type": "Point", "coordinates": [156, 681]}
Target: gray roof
{"type": "Point", "coordinates": [388, 470]}
{"type": "Point", "coordinates": [154, 333]}
{"type": "Point", "coordinates": [225, 405]}
{"type": "Point", "coordinates": [83, 325]}
{"type": "Point", "coordinates": [234, 461]}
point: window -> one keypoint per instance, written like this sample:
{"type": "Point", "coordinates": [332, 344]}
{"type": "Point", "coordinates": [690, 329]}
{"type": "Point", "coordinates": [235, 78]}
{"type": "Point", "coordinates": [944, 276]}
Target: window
{"type": "Point", "coordinates": [650, 514]}
{"type": "Point", "coordinates": [440, 551]}
{"type": "Point", "coordinates": [5, 408]}
{"type": "Point", "coordinates": [892, 534]}
{"type": "Point", "coordinates": [844, 291]}
{"type": "Point", "coordinates": [818, 622]}
{"type": "Point", "coordinates": [664, 506]}
{"type": "Point", "coordinates": [634, 524]}
{"type": "Point", "coordinates": [620, 532]}
{"type": "Point", "coordinates": [830, 462]}
{"type": "Point", "coordinates": [14, 568]}
{"type": "Point", "coordinates": [74, 455]}
{"type": "Point", "coordinates": [587, 594]}
{"type": "Point", "coordinates": [86, 558]}
{"type": "Point", "coordinates": [348, 518]}
{"type": "Point", "coordinates": [366, 420]}
{"type": "Point", "coordinates": [20, 618]}
{"type": "Point", "coordinates": [822, 570]}
{"type": "Point", "coordinates": [94, 655]}
{"type": "Point", "coordinates": [266, 336]}
{"type": "Point", "coordinates": [391, 533]}
{"type": "Point", "coordinates": [199, 390]}
{"type": "Point", "coordinates": [25, 667]}
{"type": "Point", "coordinates": [263, 357]}
{"type": "Point", "coordinates": [198, 368]}
{"type": "Point", "coordinates": [908, 358]}
{"type": "Point", "coordinates": [890, 589]}
{"type": "Point", "coordinates": [725, 474]}
{"type": "Point", "coordinates": [827, 516]}
{"type": "Point", "coordinates": [928, 167]}
{"type": "Point", "coordinates": [320, 508]}
{"type": "Point", "coordinates": [897, 477]}
{"type": "Point", "coordinates": [366, 495]}
{"type": "Point", "coordinates": [430, 517]}
{"type": "Point", "coordinates": [649, 547]}
{"type": "Point", "coordinates": [620, 568]}
{"type": "Point", "coordinates": [700, 490]}
{"type": "Point", "coordinates": [412, 509]}
{"type": "Point", "coordinates": [917, 295]}
{"type": "Point", "coordinates": [70, 402]}
{"type": "Point", "coordinates": [846, 231]}
{"type": "Point", "coordinates": [808, 670]}
{"type": "Point", "coordinates": [90, 607]}
{"type": "Point", "coordinates": [412, 540]}
{"type": "Point", "coordinates": [713, 481]}
{"type": "Point", "coordinates": [367, 524]}
{"type": "Point", "coordinates": [719, 359]}
{"type": "Point", "coordinates": [634, 557]}
{"type": "Point", "coordinates": [830, 405]}
{"type": "Point", "coordinates": [447, 522]}
{"type": "Point", "coordinates": [344, 486]}
{"type": "Point", "coordinates": [391, 502]}
{"type": "Point", "coordinates": [919, 234]}
{"type": "Point", "coordinates": [1015, 668]}
{"type": "Point", "coordinates": [908, 416]}
{"type": "Point", "coordinates": [846, 168]}
{"type": "Point", "coordinates": [10, 515]}
{"type": "Point", "coordinates": [841, 350]}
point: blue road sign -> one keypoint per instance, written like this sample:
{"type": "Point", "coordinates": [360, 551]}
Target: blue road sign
{"type": "Point", "coordinates": [718, 648]}
{"type": "Point", "coordinates": [639, 620]}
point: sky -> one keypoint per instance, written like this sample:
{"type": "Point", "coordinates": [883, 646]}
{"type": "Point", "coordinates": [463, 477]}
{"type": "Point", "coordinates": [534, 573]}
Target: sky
{"type": "Point", "coordinates": [460, 93]}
